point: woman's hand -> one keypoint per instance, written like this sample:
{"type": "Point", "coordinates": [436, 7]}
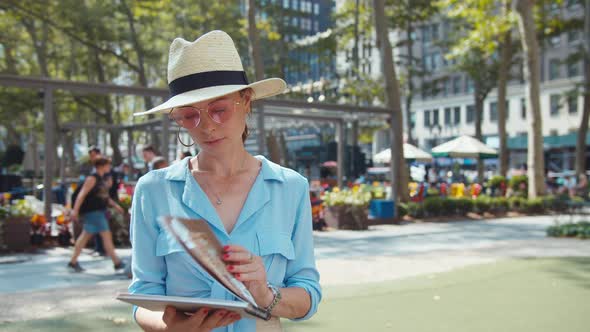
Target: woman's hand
{"type": "Point", "coordinates": [204, 319]}
{"type": "Point", "coordinates": [74, 215]}
{"type": "Point", "coordinates": [249, 269]}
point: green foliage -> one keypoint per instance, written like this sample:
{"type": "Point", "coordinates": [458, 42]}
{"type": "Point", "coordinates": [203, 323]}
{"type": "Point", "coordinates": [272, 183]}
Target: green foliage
{"type": "Point", "coordinates": [499, 204]}
{"type": "Point", "coordinates": [496, 181]}
{"type": "Point", "coordinates": [518, 182]}
{"type": "Point", "coordinates": [415, 210]}
{"type": "Point", "coordinates": [482, 204]}
{"type": "Point", "coordinates": [359, 197]}
{"type": "Point", "coordinates": [517, 203]}
{"type": "Point", "coordinates": [463, 205]}
{"type": "Point", "coordinates": [433, 205]}
{"type": "Point", "coordinates": [402, 209]}
{"type": "Point", "coordinates": [580, 230]}
{"type": "Point", "coordinates": [432, 192]}
{"type": "Point", "coordinates": [534, 206]}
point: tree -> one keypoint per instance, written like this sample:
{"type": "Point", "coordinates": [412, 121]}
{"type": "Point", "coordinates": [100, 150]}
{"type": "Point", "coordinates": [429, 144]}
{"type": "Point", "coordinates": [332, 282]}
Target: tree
{"type": "Point", "coordinates": [583, 132]}
{"type": "Point", "coordinates": [399, 186]}
{"type": "Point", "coordinates": [483, 50]}
{"type": "Point", "coordinates": [535, 159]}
{"type": "Point", "coordinates": [404, 16]}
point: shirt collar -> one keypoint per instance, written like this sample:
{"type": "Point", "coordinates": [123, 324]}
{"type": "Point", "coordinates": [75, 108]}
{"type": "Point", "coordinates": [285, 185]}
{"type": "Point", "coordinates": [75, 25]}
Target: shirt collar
{"type": "Point", "coordinates": [270, 171]}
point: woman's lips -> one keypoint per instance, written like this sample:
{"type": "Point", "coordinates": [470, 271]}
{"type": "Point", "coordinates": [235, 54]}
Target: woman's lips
{"type": "Point", "coordinates": [213, 142]}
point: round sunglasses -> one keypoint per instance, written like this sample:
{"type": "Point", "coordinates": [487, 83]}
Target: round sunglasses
{"type": "Point", "coordinates": [220, 111]}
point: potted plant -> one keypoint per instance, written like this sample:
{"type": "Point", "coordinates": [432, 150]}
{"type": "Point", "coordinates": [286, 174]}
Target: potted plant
{"type": "Point", "coordinates": [16, 226]}
{"type": "Point", "coordinates": [347, 209]}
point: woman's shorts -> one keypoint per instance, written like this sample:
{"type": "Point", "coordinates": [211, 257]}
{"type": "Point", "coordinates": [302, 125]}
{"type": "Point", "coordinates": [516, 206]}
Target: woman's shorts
{"type": "Point", "coordinates": [95, 222]}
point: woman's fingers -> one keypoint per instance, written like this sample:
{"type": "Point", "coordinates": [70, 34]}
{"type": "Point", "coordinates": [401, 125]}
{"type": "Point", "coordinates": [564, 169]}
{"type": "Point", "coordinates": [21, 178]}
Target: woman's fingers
{"type": "Point", "coordinates": [239, 257]}
{"type": "Point", "coordinates": [169, 315]}
{"type": "Point", "coordinates": [250, 276]}
{"type": "Point", "coordinates": [213, 320]}
{"type": "Point", "coordinates": [198, 317]}
{"type": "Point", "coordinates": [230, 318]}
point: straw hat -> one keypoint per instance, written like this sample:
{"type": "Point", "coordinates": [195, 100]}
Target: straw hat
{"type": "Point", "coordinates": [208, 68]}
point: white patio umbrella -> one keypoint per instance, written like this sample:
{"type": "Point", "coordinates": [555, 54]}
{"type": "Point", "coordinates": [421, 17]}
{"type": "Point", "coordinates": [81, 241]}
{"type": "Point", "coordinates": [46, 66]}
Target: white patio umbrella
{"type": "Point", "coordinates": [464, 147]}
{"type": "Point", "coordinates": [410, 153]}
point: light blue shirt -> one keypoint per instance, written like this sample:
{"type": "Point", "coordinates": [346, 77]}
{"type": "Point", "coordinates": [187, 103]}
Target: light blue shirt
{"type": "Point", "coordinates": [275, 223]}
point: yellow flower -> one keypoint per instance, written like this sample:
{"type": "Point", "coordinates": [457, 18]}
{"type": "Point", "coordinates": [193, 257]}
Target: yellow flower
{"type": "Point", "coordinates": [336, 189]}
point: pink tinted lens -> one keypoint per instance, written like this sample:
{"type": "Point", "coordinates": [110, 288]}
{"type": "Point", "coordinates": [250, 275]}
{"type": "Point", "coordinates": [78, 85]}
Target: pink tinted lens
{"type": "Point", "coordinates": [187, 117]}
{"type": "Point", "coordinates": [220, 111]}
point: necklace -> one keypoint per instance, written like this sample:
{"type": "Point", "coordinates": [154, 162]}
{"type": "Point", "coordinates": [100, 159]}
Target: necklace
{"type": "Point", "coordinates": [218, 199]}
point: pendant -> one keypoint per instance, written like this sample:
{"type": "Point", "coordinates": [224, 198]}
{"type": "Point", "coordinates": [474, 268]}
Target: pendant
{"type": "Point", "coordinates": [218, 201]}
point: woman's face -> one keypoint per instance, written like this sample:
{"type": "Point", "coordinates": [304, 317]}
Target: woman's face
{"type": "Point", "coordinates": [231, 110]}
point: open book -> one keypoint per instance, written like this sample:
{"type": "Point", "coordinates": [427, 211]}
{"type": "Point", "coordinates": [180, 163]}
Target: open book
{"type": "Point", "coordinates": [200, 243]}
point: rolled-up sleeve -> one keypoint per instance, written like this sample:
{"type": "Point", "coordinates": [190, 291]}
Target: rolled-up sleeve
{"type": "Point", "coordinates": [302, 272]}
{"type": "Point", "coordinates": [149, 270]}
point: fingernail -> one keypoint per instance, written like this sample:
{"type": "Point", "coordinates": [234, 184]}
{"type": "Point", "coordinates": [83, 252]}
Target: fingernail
{"type": "Point", "coordinates": [221, 313]}
{"type": "Point", "coordinates": [230, 267]}
{"type": "Point", "coordinates": [226, 248]}
{"type": "Point", "coordinates": [225, 256]}
{"type": "Point", "coordinates": [237, 275]}
{"type": "Point", "coordinates": [205, 311]}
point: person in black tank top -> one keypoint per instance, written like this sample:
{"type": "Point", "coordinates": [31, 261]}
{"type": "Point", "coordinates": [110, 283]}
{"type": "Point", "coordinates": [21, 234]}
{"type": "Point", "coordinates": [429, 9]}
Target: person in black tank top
{"type": "Point", "coordinates": [90, 207]}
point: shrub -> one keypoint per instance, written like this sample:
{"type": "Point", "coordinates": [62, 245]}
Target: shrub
{"type": "Point", "coordinates": [433, 206]}
{"type": "Point", "coordinates": [482, 204]}
{"type": "Point", "coordinates": [580, 230]}
{"type": "Point", "coordinates": [517, 203]}
{"type": "Point", "coordinates": [415, 210]}
{"type": "Point", "coordinates": [448, 207]}
{"type": "Point", "coordinates": [463, 205]}
{"type": "Point", "coordinates": [555, 203]}
{"type": "Point", "coordinates": [402, 209]}
{"type": "Point", "coordinates": [519, 183]}
{"type": "Point", "coordinates": [534, 206]}
{"type": "Point", "coordinates": [499, 204]}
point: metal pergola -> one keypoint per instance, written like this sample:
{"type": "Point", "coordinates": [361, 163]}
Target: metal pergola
{"type": "Point", "coordinates": [334, 113]}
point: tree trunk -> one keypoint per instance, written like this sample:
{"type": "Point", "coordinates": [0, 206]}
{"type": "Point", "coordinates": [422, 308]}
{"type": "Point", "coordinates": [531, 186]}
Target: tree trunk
{"type": "Point", "coordinates": [477, 96]}
{"type": "Point", "coordinates": [254, 39]}
{"type": "Point", "coordinates": [503, 75]}
{"type": "Point", "coordinates": [410, 94]}
{"type": "Point", "coordinates": [399, 187]}
{"type": "Point", "coordinates": [535, 162]}
{"type": "Point", "coordinates": [581, 143]}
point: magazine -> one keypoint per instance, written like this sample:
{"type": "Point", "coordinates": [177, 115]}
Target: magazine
{"type": "Point", "coordinates": [202, 245]}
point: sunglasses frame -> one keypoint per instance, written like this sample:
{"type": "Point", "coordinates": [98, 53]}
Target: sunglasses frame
{"type": "Point", "coordinates": [200, 110]}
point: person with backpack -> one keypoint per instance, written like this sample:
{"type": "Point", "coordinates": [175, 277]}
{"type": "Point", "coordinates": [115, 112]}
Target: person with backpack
{"type": "Point", "coordinates": [90, 203]}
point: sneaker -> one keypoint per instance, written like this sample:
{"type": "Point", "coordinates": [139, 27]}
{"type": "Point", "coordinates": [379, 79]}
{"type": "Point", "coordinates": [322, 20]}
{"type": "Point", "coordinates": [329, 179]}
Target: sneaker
{"type": "Point", "coordinates": [75, 267]}
{"type": "Point", "coordinates": [120, 266]}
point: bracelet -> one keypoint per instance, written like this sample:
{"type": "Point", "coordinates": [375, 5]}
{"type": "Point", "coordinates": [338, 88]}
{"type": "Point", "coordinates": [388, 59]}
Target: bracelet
{"type": "Point", "coordinates": [276, 297]}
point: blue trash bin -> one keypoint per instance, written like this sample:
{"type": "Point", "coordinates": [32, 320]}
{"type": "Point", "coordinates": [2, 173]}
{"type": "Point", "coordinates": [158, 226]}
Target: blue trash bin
{"type": "Point", "coordinates": [381, 208]}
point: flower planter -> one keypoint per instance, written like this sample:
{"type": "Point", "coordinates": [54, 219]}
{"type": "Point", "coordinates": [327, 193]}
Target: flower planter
{"type": "Point", "coordinates": [347, 217]}
{"type": "Point", "coordinates": [16, 234]}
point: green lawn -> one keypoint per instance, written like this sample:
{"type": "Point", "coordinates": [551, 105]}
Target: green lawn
{"type": "Point", "coordinates": [516, 295]}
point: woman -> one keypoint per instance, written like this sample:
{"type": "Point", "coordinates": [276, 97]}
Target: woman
{"type": "Point", "coordinates": [259, 210]}
{"type": "Point", "coordinates": [91, 204]}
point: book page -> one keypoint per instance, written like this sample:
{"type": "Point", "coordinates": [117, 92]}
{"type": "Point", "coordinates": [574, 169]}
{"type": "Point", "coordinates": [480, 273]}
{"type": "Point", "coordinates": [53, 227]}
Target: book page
{"type": "Point", "coordinates": [200, 243]}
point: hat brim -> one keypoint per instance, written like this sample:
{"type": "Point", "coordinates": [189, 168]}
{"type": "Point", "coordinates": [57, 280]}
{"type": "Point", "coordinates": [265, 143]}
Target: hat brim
{"type": "Point", "coordinates": [262, 89]}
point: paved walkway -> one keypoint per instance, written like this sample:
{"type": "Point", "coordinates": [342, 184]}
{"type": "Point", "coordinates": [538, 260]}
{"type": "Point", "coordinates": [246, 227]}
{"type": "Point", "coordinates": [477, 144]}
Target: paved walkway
{"type": "Point", "coordinates": [36, 286]}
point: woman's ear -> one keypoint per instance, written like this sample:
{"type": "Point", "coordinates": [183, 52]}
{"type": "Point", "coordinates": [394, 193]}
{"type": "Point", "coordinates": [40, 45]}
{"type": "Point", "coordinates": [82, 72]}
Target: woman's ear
{"type": "Point", "coordinates": [247, 97]}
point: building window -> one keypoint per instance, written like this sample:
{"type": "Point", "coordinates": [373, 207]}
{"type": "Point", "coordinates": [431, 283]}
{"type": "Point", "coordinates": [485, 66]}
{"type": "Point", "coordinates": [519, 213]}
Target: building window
{"type": "Point", "coordinates": [457, 85]}
{"type": "Point", "coordinates": [555, 41]}
{"type": "Point", "coordinates": [507, 109]}
{"type": "Point", "coordinates": [296, 4]}
{"type": "Point", "coordinates": [494, 111]}
{"type": "Point", "coordinates": [316, 8]}
{"type": "Point", "coordinates": [285, 3]}
{"type": "Point", "coordinates": [447, 86]}
{"type": "Point", "coordinates": [470, 86]}
{"type": "Point", "coordinates": [553, 69]}
{"type": "Point", "coordinates": [572, 104]}
{"type": "Point", "coordinates": [447, 116]}
{"type": "Point", "coordinates": [316, 26]}
{"type": "Point", "coordinates": [427, 119]}
{"type": "Point", "coordinates": [434, 32]}
{"type": "Point", "coordinates": [435, 118]}
{"type": "Point", "coordinates": [457, 111]}
{"type": "Point", "coordinates": [554, 111]}
{"type": "Point", "coordinates": [523, 108]}
{"type": "Point", "coordinates": [413, 120]}
{"type": "Point", "coordinates": [573, 69]}
{"type": "Point", "coordinates": [470, 113]}
{"type": "Point", "coordinates": [426, 34]}
{"type": "Point", "coordinates": [573, 36]}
